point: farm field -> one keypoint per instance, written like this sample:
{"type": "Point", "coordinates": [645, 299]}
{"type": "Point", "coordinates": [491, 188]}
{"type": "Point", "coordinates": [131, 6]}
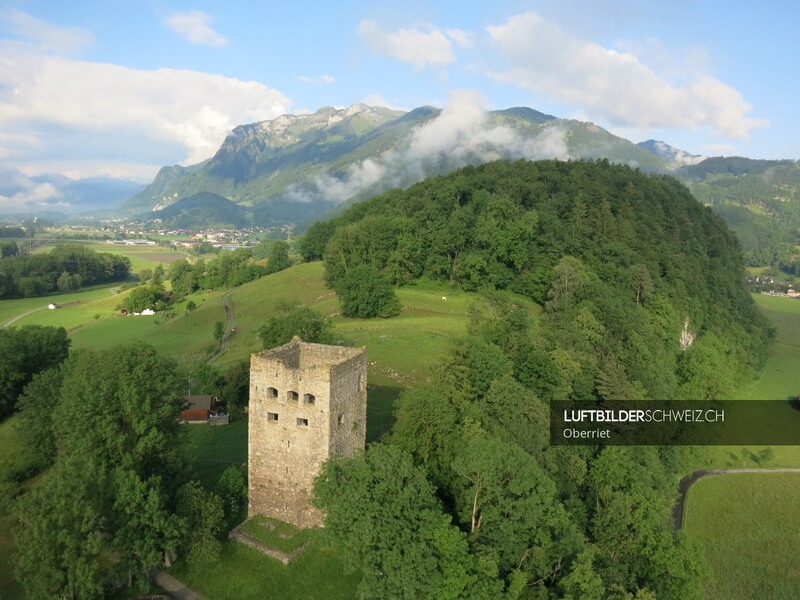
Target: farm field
{"type": "Point", "coordinates": [781, 377]}
{"type": "Point", "coordinates": [70, 304]}
{"type": "Point", "coordinates": [744, 523]}
{"type": "Point", "coordinates": [745, 526]}
{"type": "Point", "coordinates": [780, 380]}
{"type": "Point", "coordinates": [142, 257]}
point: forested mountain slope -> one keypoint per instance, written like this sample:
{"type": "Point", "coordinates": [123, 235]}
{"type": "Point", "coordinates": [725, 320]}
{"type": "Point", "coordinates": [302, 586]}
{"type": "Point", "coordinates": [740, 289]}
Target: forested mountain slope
{"type": "Point", "coordinates": [466, 498]}
{"type": "Point", "coordinates": [622, 261]}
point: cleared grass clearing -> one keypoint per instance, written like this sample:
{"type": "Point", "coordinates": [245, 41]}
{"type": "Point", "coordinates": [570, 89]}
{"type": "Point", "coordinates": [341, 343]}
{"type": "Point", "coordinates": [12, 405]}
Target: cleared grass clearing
{"type": "Point", "coordinates": [746, 528]}
{"type": "Point", "coordinates": [214, 448]}
{"type": "Point", "coordinates": [243, 573]}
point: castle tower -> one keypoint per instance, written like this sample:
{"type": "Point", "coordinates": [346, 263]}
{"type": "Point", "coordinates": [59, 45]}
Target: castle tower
{"type": "Point", "coordinates": [307, 402]}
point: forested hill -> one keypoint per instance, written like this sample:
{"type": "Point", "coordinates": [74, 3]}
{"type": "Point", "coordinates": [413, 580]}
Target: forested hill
{"type": "Point", "coordinates": [623, 262]}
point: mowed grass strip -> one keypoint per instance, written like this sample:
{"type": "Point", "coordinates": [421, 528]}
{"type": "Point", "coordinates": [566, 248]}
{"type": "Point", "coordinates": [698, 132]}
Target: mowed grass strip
{"type": "Point", "coordinates": [746, 526]}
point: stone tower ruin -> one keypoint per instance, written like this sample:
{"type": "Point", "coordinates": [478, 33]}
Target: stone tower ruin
{"type": "Point", "coordinates": [307, 402]}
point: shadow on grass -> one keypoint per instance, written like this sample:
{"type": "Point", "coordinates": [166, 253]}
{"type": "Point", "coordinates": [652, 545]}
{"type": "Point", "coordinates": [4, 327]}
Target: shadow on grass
{"type": "Point", "coordinates": [380, 410]}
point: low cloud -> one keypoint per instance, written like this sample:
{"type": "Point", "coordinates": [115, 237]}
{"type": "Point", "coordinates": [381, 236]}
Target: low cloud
{"type": "Point", "coordinates": [463, 133]}
{"type": "Point", "coordinates": [612, 84]}
{"type": "Point", "coordinates": [18, 193]}
{"type": "Point", "coordinates": [194, 27]}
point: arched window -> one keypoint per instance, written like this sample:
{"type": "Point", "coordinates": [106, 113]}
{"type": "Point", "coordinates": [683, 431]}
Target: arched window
{"type": "Point", "coordinates": [292, 395]}
{"type": "Point", "coordinates": [272, 392]}
{"type": "Point", "coordinates": [309, 398]}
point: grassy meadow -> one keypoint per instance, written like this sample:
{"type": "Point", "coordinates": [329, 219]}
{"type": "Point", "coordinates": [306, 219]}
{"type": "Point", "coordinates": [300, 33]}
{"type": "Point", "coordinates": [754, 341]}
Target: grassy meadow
{"type": "Point", "coordinates": [142, 257]}
{"type": "Point", "coordinates": [780, 380]}
{"type": "Point", "coordinates": [401, 353]}
{"type": "Point", "coordinates": [781, 377]}
{"type": "Point", "coordinates": [745, 526]}
{"type": "Point", "coordinates": [243, 573]}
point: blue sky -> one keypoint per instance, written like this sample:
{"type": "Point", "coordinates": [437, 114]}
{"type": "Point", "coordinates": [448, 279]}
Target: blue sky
{"type": "Point", "coordinates": [123, 87]}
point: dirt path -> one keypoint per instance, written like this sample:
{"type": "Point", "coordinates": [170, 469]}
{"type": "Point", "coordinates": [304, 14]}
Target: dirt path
{"type": "Point", "coordinates": [25, 314]}
{"type": "Point", "coordinates": [224, 341]}
{"type": "Point", "coordinates": [30, 312]}
{"type": "Point", "coordinates": [173, 587]}
{"type": "Point", "coordinates": [688, 481]}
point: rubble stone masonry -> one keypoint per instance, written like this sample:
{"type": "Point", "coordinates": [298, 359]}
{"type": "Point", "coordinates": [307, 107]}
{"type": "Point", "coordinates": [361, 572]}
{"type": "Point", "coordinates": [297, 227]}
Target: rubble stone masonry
{"type": "Point", "coordinates": [308, 402]}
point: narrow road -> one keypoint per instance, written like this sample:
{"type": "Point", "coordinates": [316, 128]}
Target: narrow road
{"type": "Point", "coordinates": [689, 480]}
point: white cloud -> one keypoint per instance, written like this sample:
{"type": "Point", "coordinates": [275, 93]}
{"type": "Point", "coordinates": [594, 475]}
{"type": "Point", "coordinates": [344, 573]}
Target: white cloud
{"type": "Point", "coordinates": [465, 39]}
{"type": "Point", "coordinates": [314, 80]}
{"type": "Point", "coordinates": [614, 85]}
{"type": "Point", "coordinates": [420, 48]}
{"type": "Point", "coordinates": [194, 26]}
{"type": "Point", "coordinates": [47, 37]}
{"type": "Point", "coordinates": [461, 134]}
{"type": "Point", "coordinates": [30, 195]}
{"type": "Point", "coordinates": [92, 113]}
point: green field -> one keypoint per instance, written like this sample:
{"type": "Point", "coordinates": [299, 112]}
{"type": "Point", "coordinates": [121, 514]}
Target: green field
{"type": "Point", "coordinates": [214, 449]}
{"type": "Point", "coordinates": [745, 526]}
{"type": "Point", "coordinates": [245, 574]}
{"type": "Point", "coordinates": [781, 376]}
{"type": "Point", "coordinates": [142, 257]}
{"type": "Point", "coordinates": [401, 353]}
{"type": "Point", "coordinates": [780, 380]}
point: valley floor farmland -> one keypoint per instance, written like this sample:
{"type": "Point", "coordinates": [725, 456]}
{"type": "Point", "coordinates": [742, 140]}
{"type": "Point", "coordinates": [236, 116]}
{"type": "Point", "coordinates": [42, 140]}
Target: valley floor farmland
{"type": "Point", "coordinates": [745, 526]}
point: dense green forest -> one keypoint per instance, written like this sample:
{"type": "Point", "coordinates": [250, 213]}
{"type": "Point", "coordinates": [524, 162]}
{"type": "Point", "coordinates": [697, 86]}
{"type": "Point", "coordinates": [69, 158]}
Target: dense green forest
{"type": "Point", "coordinates": [229, 269]}
{"type": "Point", "coordinates": [759, 200]}
{"type": "Point", "coordinates": [116, 496]}
{"type": "Point", "coordinates": [465, 498]}
{"type": "Point", "coordinates": [65, 268]}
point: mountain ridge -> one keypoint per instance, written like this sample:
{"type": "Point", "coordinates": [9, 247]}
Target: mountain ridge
{"type": "Point", "coordinates": [298, 164]}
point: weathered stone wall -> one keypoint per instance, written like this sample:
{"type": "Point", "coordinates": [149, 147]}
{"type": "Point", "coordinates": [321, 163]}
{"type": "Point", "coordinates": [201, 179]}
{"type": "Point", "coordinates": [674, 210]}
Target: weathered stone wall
{"type": "Point", "coordinates": [297, 392]}
{"type": "Point", "coordinates": [348, 422]}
